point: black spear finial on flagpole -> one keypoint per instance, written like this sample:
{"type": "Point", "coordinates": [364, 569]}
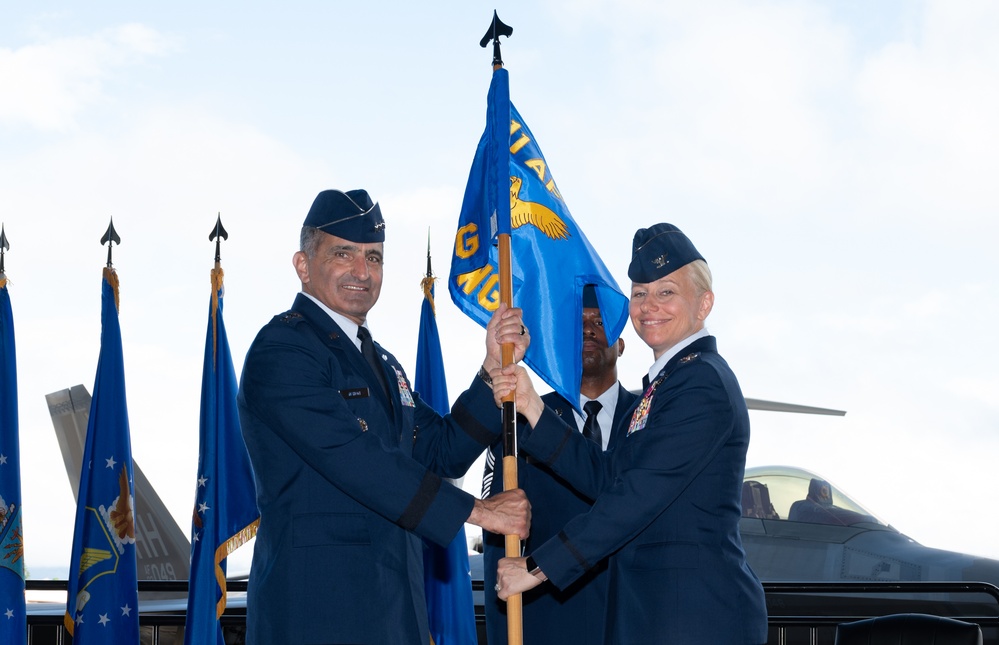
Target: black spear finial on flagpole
{"type": "Point", "coordinates": [496, 29]}
{"type": "Point", "coordinates": [110, 237]}
{"type": "Point", "coordinates": [218, 234]}
{"type": "Point", "coordinates": [427, 283]}
{"type": "Point", "coordinates": [430, 272]}
{"type": "Point", "coordinates": [5, 246]}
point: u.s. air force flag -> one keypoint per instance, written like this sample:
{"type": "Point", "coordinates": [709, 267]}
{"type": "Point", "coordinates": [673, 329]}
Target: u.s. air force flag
{"type": "Point", "coordinates": [13, 625]}
{"type": "Point", "coordinates": [446, 576]}
{"type": "Point", "coordinates": [102, 603]}
{"type": "Point", "coordinates": [552, 259]}
{"type": "Point", "coordinates": [225, 507]}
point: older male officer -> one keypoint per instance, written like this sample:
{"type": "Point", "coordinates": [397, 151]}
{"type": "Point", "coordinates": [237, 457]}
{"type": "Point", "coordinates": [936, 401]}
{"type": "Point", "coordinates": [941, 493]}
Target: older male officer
{"type": "Point", "coordinates": [577, 613]}
{"type": "Point", "coordinates": [348, 461]}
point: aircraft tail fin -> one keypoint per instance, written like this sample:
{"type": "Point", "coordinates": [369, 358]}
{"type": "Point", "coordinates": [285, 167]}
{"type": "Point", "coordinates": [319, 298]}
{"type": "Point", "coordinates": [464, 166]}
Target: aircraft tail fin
{"type": "Point", "coordinates": [162, 549]}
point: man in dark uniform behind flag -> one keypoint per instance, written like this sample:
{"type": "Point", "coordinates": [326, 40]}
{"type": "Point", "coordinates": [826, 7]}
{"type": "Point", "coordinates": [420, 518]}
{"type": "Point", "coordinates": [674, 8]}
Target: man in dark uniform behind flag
{"type": "Point", "coordinates": [576, 614]}
{"type": "Point", "coordinates": [349, 463]}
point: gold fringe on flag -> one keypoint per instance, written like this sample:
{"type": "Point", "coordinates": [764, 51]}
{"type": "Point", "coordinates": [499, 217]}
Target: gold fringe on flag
{"type": "Point", "coordinates": [428, 283]}
{"type": "Point", "coordinates": [221, 553]}
{"type": "Point", "coordinates": [217, 279]}
{"type": "Point", "coordinates": [111, 277]}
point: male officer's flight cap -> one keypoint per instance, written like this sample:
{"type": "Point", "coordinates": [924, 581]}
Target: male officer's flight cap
{"type": "Point", "coordinates": [659, 251]}
{"type": "Point", "coordinates": [349, 215]}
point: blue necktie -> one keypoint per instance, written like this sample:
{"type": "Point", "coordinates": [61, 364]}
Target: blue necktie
{"type": "Point", "coordinates": [591, 427]}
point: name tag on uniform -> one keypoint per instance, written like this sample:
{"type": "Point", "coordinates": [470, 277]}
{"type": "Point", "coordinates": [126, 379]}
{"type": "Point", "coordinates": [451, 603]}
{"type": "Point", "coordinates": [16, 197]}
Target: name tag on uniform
{"type": "Point", "coordinates": [355, 393]}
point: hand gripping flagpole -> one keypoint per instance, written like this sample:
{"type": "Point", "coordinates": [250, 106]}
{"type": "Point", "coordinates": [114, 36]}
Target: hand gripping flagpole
{"type": "Point", "coordinates": [514, 604]}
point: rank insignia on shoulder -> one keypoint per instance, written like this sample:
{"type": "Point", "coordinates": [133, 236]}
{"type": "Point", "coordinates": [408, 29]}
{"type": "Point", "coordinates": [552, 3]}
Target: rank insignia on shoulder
{"type": "Point", "coordinates": [289, 316]}
{"type": "Point", "coordinates": [364, 424]}
{"type": "Point", "coordinates": [690, 357]}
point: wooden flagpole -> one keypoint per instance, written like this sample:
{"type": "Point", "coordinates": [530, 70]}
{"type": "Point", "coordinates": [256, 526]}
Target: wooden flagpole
{"type": "Point", "coordinates": [514, 604]}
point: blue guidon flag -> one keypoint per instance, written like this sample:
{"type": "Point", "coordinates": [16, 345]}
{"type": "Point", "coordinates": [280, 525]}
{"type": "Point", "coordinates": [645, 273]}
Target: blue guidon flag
{"type": "Point", "coordinates": [511, 189]}
{"type": "Point", "coordinates": [13, 623]}
{"type": "Point", "coordinates": [225, 507]}
{"type": "Point", "coordinates": [102, 603]}
{"type": "Point", "coordinates": [446, 575]}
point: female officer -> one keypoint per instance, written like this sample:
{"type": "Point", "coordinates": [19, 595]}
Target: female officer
{"type": "Point", "coordinates": [667, 499]}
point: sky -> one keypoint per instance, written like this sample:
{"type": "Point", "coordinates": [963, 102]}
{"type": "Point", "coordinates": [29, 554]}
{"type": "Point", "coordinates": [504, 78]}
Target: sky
{"type": "Point", "coordinates": [836, 163]}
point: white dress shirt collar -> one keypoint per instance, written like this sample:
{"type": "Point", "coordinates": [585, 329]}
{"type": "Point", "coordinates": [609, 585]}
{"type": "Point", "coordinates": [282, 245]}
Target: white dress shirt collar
{"type": "Point", "coordinates": [348, 326]}
{"type": "Point", "coordinates": [608, 402]}
{"type": "Point", "coordinates": [673, 351]}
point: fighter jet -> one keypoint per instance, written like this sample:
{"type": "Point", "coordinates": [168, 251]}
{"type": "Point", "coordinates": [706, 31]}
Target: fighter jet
{"type": "Point", "coordinates": [797, 526]}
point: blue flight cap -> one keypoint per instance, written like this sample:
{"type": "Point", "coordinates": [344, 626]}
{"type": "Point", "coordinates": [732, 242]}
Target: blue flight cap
{"type": "Point", "coordinates": [590, 297]}
{"type": "Point", "coordinates": [659, 251]}
{"type": "Point", "coordinates": [349, 215]}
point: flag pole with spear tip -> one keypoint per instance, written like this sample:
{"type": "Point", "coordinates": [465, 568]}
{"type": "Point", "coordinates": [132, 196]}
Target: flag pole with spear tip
{"type": "Point", "coordinates": [111, 238]}
{"type": "Point", "coordinates": [500, 176]}
{"type": "Point", "coordinates": [217, 235]}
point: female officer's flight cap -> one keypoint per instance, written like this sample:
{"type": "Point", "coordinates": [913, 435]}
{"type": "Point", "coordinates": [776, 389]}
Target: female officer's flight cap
{"type": "Point", "coordinates": [349, 215]}
{"type": "Point", "coordinates": [659, 251]}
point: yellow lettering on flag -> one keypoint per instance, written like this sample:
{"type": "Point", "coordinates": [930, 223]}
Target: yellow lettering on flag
{"type": "Point", "coordinates": [522, 141]}
{"type": "Point", "coordinates": [466, 242]}
{"type": "Point", "coordinates": [538, 166]}
{"type": "Point", "coordinates": [486, 282]}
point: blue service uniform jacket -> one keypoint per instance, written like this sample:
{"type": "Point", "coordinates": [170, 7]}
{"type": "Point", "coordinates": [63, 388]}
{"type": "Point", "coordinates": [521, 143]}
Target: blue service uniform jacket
{"type": "Point", "coordinates": [347, 483]}
{"type": "Point", "coordinates": [667, 510]}
{"type": "Point", "coordinates": [576, 614]}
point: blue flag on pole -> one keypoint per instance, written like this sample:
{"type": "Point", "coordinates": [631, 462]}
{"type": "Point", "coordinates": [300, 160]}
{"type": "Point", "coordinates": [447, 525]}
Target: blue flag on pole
{"type": "Point", "coordinates": [552, 259]}
{"type": "Point", "coordinates": [102, 603]}
{"type": "Point", "coordinates": [446, 575]}
{"type": "Point", "coordinates": [225, 507]}
{"type": "Point", "coordinates": [13, 623]}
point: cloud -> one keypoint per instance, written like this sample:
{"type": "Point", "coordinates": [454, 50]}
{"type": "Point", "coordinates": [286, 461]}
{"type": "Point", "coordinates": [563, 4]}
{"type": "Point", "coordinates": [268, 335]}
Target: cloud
{"type": "Point", "coordinates": [46, 85]}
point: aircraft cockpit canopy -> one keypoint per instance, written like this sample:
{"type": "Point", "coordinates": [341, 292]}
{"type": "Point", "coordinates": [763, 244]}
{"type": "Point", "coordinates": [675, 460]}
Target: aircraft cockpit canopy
{"type": "Point", "coordinates": [796, 495]}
